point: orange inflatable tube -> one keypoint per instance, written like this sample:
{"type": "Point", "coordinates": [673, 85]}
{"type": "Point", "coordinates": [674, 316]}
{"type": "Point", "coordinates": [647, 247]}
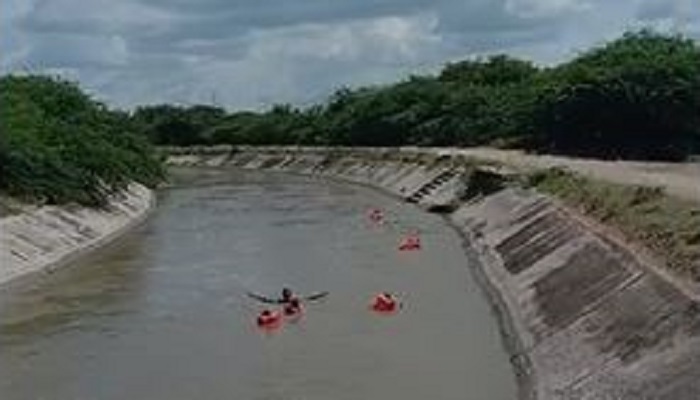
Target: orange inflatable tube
{"type": "Point", "coordinates": [268, 319]}
{"type": "Point", "coordinates": [410, 243]}
{"type": "Point", "coordinates": [375, 215]}
{"type": "Point", "coordinates": [384, 303]}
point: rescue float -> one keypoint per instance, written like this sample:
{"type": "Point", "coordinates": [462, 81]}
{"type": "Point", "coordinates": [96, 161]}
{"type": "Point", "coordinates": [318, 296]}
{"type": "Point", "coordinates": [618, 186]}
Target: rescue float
{"type": "Point", "coordinates": [410, 243]}
{"type": "Point", "coordinates": [269, 319]}
{"type": "Point", "coordinates": [375, 215]}
{"type": "Point", "coordinates": [385, 303]}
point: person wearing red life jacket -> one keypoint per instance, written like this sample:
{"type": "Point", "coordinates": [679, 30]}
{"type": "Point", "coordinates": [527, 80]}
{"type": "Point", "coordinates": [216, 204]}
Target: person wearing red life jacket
{"type": "Point", "coordinates": [411, 242]}
{"type": "Point", "coordinates": [293, 308]}
{"type": "Point", "coordinates": [286, 296]}
{"type": "Point", "coordinates": [385, 303]}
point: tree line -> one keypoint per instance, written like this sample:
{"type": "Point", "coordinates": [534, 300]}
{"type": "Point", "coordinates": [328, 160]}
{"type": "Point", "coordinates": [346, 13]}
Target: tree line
{"type": "Point", "coordinates": [58, 145]}
{"type": "Point", "coordinates": [635, 97]}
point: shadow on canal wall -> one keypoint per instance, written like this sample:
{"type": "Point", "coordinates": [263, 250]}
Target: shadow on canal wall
{"type": "Point", "coordinates": [583, 314]}
{"type": "Point", "coordinates": [39, 239]}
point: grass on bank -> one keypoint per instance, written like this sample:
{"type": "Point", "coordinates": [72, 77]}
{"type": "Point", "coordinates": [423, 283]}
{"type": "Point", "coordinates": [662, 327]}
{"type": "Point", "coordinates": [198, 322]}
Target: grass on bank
{"type": "Point", "coordinates": [668, 226]}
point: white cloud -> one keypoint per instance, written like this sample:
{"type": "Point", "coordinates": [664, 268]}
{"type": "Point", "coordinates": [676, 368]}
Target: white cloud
{"type": "Point", "coordinates": [385, 39]}
{"type": "Point", "coordinates": [13, 42]}
{"type": "Point", "coordinates": [13, 9]}
{"type": "Point", "coordinates": [77, 50]}
{"type": "Point", "coordinates": [293, 64]}
{"type": "Point", "coordinates": [99, 16]}
{"type": "Point", "coordinates": [250, 53]}
{"type": "Point", "coordinates": [545, 8]}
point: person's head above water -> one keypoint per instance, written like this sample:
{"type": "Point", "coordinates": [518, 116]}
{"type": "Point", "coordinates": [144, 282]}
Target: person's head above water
{"type": "Point", "coordinates": [286, 293]}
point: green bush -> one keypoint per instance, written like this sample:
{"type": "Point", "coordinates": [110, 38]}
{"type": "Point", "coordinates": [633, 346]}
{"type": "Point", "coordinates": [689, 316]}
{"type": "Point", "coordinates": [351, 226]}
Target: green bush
{"type": "Point", "coordinates": [58, 145]}
{"type": "Point", "coordinates": [635, 97]}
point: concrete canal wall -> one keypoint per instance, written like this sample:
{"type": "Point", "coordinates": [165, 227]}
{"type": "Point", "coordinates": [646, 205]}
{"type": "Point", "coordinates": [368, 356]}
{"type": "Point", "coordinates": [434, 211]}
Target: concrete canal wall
{"type": "Point", "coordinates": [39, 239]}
{"type": "Point", "coordinates": [583, 315]}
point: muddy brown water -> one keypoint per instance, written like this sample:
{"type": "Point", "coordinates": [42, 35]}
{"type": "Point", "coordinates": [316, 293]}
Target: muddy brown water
{"type": "Point", "coordinates": [163, 313]}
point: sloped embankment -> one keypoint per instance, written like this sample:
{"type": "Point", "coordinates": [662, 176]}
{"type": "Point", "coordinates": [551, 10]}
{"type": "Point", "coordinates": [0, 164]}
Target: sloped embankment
{"type": "Point", "coordinates": [40, 238]}
{"type": "Point", "coordinates": [594, 322]}
{"type": "Point", "coordinates": [583, 315]}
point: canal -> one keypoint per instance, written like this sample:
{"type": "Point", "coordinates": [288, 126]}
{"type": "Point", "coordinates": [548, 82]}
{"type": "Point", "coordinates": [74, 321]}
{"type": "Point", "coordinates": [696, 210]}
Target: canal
{"type": "Point", "coordinates": [163, 313]}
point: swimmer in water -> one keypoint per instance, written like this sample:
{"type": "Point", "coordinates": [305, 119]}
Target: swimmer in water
{"type": "Point", "coordinates": [286, 297]}
{"type": "Point", "coordinates": [293, 307]}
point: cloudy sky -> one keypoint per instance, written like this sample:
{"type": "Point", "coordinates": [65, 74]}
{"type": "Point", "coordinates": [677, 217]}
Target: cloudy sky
{"type": "Point", "coordinates": [251, 53]}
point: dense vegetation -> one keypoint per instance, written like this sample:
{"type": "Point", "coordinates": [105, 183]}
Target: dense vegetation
{"type": "Point", "coordinates": [58, 145]}
{"type": "Point", "coordinates": [636, 97]}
